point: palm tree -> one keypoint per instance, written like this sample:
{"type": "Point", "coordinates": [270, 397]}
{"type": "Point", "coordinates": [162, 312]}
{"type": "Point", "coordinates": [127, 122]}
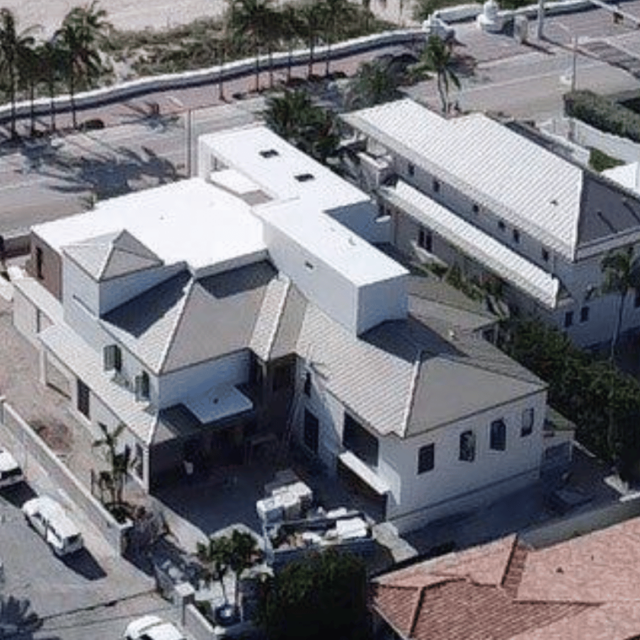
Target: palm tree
{"type": "Point", "coordinates": [52, 60]}
{"type": "Point", "coordinates": [291, 26]}
{"type": "Point", "coordinates": [12, 47]}
{"type": "Point", "coordinates": [30, 75]}
{"type": "Point", "coordinates": [621, 271]}
{"type": "Point", "coordinates": [312, 15]}
{"type": "Point", "coordinates": [335, 14]}
{"type": "Point", "coordinates": [252, 19]}
{"type": "Point", "coordinates": [119, 461]}
{"type": "Point", "coordinates": [215, 555]}
{"type": "Point", "coordinates": [83, 31]}
{"type": "Point", "coordinates": [437, 57]}
{"type": "Point", "coordinates": [374, 83]}
{"type": "Point", "coordinates": [242, 553]}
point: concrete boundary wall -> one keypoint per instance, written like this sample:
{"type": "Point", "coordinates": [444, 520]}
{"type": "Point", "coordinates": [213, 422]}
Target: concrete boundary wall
{"type": "Point", "coordinates": [211, 75]}
{"type": "Point", "coordinates": [197, 625]}
{"type": "Point", "coordinates": [28, 448]}
{"type": "Point", "coordinates": [586, 522]}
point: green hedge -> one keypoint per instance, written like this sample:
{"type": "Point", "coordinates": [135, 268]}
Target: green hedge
{"type": "Point", "coordinates": [603, 114]}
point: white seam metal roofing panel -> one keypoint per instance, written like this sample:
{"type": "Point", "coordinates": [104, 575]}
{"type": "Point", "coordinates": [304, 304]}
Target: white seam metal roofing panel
{"type": "Point", "coordinates": [475, 243]}
{"type": "Point", "coordinates": [87, 365]}
{"type": "Point", "coordinates": [529, 186]}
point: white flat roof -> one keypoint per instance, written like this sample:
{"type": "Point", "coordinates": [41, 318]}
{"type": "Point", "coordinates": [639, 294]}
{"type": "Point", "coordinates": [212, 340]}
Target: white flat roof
{"type": "Point", "coordinates": [477, 244]}
{"type": "Point", "coordinates": [218, 403]}
{"type": "Point", "coordinates": [277, 167]}
{"type": "Point", "coordinates": [333, 244]}
{"type": "Point", "coordinates": [627, 175]}
{"type": "Point", "coordinates": [188, 221]}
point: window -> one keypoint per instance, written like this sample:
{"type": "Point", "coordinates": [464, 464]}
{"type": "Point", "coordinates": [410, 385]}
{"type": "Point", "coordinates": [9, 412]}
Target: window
{"type": "Point", "coordinates": [411, 170]}
{"type": "Point", "coordinates": [475, 208]}
{"type": "Point", "coordinates": [138, 461]}
{"type": "Point", "coordinates": [82, 400]}
{"type": "Point", "coordinates": [584, 314]}
{"type": "Point", "coordinates": [269, 153]}
{"type": "Point", "coordinates": [498, 435]}
{"type": "Point", "coordinates": [142, 387]}
{"type": "Point", "coordinates": [39, 263]}
{"type": "Point", "coordinates": [304, 177]}
{"type": "Point", "coordinates": [112, 358]}
{"type": "Point", "coordinates": [425, 239]}
{"type": "Point", "coordinates": [545, 254]}
{"type": "Point", "coordinates": [311, 432]}
{"type": "Point", "coordinates": [527, 422]}
{"type": "Point", "coordinates": [467, 446]}
{"type": "Point", "coordinates": [282, 377]}
{"type": "Point", "coordinates": [359, 441]}
{"type": "Point", "coordinates": [516, 236]}
{"type": "Point", "coordinates": [436, 185]}
{"type": "Point", "coordinates": [426, 458]}
{"type": "Point", "coordinates": [307, 383]}
{"type": "Point", "coordinates": [568, 319]}
{"type": "Point", "coordinates": [501, 225]}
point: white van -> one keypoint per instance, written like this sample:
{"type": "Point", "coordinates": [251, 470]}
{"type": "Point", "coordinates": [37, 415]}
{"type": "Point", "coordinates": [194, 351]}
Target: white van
{"type": "Point", "coordinates": [49, 519]}
{"type": "Point", "coordinates": [10, 471]}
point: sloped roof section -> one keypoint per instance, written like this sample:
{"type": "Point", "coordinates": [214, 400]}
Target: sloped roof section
{"type": "Point", "coordinates": [112, 255]}
{"type": "Point", "coordinates": [529, 186]}
{"type": "Point", "coordinates": [184, 321]}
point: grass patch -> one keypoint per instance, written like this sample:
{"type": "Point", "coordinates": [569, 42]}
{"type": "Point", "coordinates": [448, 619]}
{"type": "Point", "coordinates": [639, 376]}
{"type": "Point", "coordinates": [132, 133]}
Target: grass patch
{"type": "Point", "coordinates": [599, 161]}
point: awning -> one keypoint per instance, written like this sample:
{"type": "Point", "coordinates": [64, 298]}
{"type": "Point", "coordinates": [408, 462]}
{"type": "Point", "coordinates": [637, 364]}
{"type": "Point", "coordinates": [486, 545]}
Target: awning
{"type": "Point", "coordinates": [365, 473]}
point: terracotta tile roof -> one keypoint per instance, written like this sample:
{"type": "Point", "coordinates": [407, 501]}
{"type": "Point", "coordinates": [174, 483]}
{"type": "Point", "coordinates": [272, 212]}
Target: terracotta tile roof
{"type": "Point", "coordinates": [582, 589]}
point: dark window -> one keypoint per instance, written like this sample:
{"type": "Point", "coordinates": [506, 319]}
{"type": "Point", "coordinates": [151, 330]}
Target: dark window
{"type": "Point", "coordinates": [138, 461]}
{"type": "Point", "coordinates": [142, 386]}
{"type": "Point", "coordinates": [527, 422]}
{"type": "Point", "coordinates": [568, 319]}
{"type": "Point", "coordinates": [425, 239]}
{"type": "Point", "coordinates": [269, 153]}
{"type": "Point", "coordinates": [584, 314]}
{"type": "Point", "coordinates": [112, 356]}
{"type": "Point", "coordinates": [311, 432]}
{"type": "Point", "coordinates": [359, 441]}
{"type": "Point", "coordinates": [304, 177]}
{"type": "Point", "coordinates": [545, 255]}
{"type": "Point", "coordinates": [498, 440]}
{"type": "Point", "coordinates": [516, 236]}
{"type": "Point", "coordinates": [501, 225]}
{"type": "Point", "coordinates": [467, 446]}
{"type": "Point", "coordinates": [436, 185]}
{"type": "Point", "coordinates": [426, 458]}
{"type": "Point", "coordinates": [83, 398]}
{"type": "Point", "coordinates": [282, 377]}
{"type": "Point", "coordinates": [411, 170]}
{"type": "Point", "coordinates": [475, 209]}
{"type": "Point", "coordinates": [39, 263]}
{"type": "Point", "coordinates": [307, 384]}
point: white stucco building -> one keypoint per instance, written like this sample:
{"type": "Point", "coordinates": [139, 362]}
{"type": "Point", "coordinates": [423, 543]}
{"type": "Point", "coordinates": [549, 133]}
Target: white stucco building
{"type": "Point", "coordinates": [208, 313]}
{"type": "Point", "coordinates": [473, 192]}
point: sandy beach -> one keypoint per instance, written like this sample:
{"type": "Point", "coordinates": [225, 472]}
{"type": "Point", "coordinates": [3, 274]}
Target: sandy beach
{"type": "Point", "coordinates": [123, 14]}
{"type": "Point", "coordinates": [157, 14]}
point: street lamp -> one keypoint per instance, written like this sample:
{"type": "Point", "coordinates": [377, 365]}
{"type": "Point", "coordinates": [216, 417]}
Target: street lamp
{"type": "Point", "coordinates": [188, 128]}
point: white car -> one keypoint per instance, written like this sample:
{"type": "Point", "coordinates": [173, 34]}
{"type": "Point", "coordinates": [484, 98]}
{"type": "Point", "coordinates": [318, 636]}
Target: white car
{"type": "Point", "coordinates": [10, 471]}
{"type": "Point", "coordinates": [152, 628]}
{"type": "Point", "coordinates": [49, 519]}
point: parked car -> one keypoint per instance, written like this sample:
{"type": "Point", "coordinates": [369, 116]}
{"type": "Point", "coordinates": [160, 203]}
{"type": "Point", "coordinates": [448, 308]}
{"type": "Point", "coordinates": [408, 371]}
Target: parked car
{"type": "Point", "coordinates": [50, 520]}
{"type": "Point", "coordinates": [152, 628]}
{"type": "Point", "coordinates": [10, 471]}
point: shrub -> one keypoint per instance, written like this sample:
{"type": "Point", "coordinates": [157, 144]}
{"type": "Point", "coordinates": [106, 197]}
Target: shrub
{"type": "Point", "coordinates": [603, 114]}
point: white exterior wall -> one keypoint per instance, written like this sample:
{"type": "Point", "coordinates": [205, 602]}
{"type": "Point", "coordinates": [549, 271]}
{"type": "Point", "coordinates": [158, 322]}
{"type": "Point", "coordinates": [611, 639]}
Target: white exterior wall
{"type": "Point", "coordinates": [117, 291]}
{"type": "Point", "coordinates": [453, 484]}
{"type": "Point", "coordinates": [28, 319]}
{"type": "Point", "coordinates": [178, 385]}
{"type": "Point", "coordinates": [380, 301]}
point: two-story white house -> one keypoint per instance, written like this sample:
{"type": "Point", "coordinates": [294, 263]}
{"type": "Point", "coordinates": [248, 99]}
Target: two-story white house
{"type": "Point", "coordinates": [473, 192]}
{"type": "Point", "coordinates": [207, 313]}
